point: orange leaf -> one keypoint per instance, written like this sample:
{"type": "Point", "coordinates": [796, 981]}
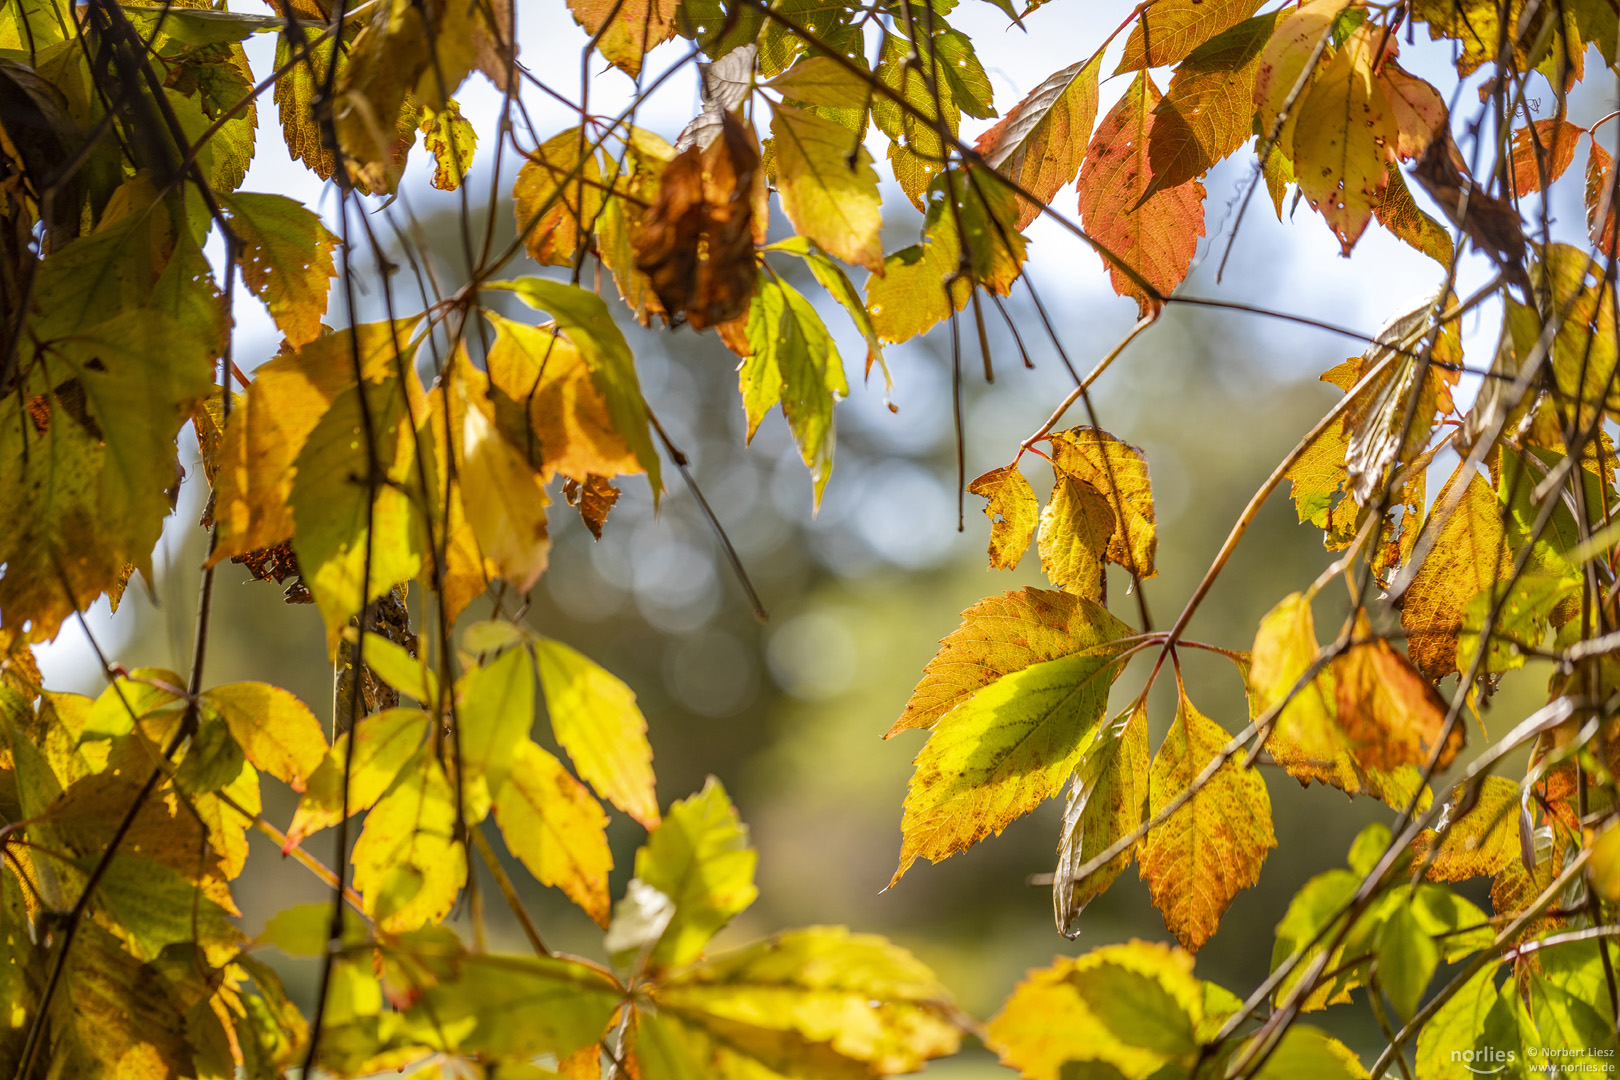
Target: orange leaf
{"type": "Point", "coordinates": [1554, 144]}
{"type": "Point", "coordinates": [634, 27]}
{"type": "Point", "coordinates": [1211, 848]}
{"type": "Point", "coordinates": [1208, 109]}
{"type": "Point", "coordinates": [1391, 713]}
{"type": "Point", "coordinates": [1154, 235]}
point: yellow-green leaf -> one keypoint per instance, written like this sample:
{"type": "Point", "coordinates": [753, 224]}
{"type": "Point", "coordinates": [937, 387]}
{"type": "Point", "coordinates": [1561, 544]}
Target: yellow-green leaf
{"type": "Point", "coordinates": [698, 857]}
{"type": "Point", "coordinates": [383, 743]}
{"type": "Point", "coordinates": [1119, 471]}
{"type": "Point", "coordinates": [495, 709]}
{"type": "Point", "coordinates": [1013, 736]}
{"type": "Point", "coordinates": [831, 197]}
{"type": "Point", "coordinates": [1108, 799]}
{"type": "Point", "coordinates": [452, 141]}
{"type": "Point", "coordinates": [596, 720]}
{"type": "Point", "coordinates": [407, 866]}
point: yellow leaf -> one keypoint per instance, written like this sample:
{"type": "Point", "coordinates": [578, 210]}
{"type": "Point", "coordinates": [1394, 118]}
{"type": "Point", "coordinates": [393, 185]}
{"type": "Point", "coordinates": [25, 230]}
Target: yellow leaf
{"type": "Point", "coordinates": [1604, 866]}
{"type": "Point", "coordinates": [383, 743]}
{"type": "Point", "coordinates": [276, 731]}
{"type": "Point", "coordinates": [1306, 737]}
{"type": "Point", "coordinates": [1108, 798]}
{"type": "Point", "coordinates": [87, 458]}
{"type": "Point", "coordinates": [1198, 860]}
{"type": "Point", "coordinates": [1012, 513]}
{"type": "Point", "coordinates": [1011, 741]}
{"type": "Point", "coordinates": [407, 867]}
{"type": "Point", "coordinates": [1481, 836]}
{"type": "Point", "coordinates": [1282, 63]}
{"type": "Point", "coordinates": [1308, 1051]}
{"type": "Point", "coordinates": [286, 260]}
{"type": "Point", "coordinates": [281, 407]}
{"type": "Point", "coordinates": [451, 140]}
{"type": "Point", "coordinates": [555, 828]}
{"type": "Point", "coordinates": [698, 857]}
{"type": "Point", "coordinates": [867, 1000]}
{"type": "Point", "coordinates": [504, 499]}
{"type": "Point", "coordinates": [568, 422]}
{"type": "Point", "coordinates": [1134, 1007]}
{"type": "Point", "coordinates": [831, 197]}
{"type": "Point", "coordinates": [557, 198]}
{"type": "Point", "coordinates": [1469, 556]}
{"type": "Point", "coordinates": [634, 28]}
{"type": "Point", "coordinates": [1345, 137]}
{"type": "Point", "coordinates": [1075, 529]}
{"type": "Point", "coordinates": [1119, 471]}
{"type": "Point", "coordinates": [595, 718]}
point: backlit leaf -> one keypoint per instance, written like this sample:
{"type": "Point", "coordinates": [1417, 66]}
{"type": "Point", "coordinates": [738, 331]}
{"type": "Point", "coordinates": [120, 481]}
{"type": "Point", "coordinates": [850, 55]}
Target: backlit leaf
{"type": "Point", "coordinates": [866, 1000]}
{"type": "Point", "coordinates": [407, 867]}
{"type": "Point", "coordinates": [1119, 472]}
{"type": "Point", "coordinates": [584, 319]}
{"type": "Point", "coordinates": [495, 708]}
{"type": "Point", "coordinates": [1391, 714]}
{"type": "Point", "coordinates": [504, 499]}
{"type": "Point", "coordinates": [1156, 235]}
{"type": "Point", "coordinates": [517, 1007]}
{"type": "Point", "coordinates": [830, 197]}
{"type": "Point", "coordinates": [1345, 136]}
{"type": "Point", "coordinates": [1407, 957]}
{"type": "Point", "coordinates": [276, 731]}
{"type": "Point", "coordinates": [286, 259]}
{"type": "Point", "coordinates": [1006, 738]}
{"type": "Point", "coordinates": [1169, 30]}
{"type": "Point", "coordinates": [1552, 145]}
{"type": "Point", "coordinates": [1480, 837]}
{"type": "Point", "coordinates": [632, 28]}
{"type": "Point", "coordinates": [1040, 142]}
{"type": "Point", "coordinates": [1208, 109]}
{"type": "Point", "coordinates": [558, 197]}
{"type": "Point", "coordinates": [1075, 530]}
{"type": "Point", "coordinates": [554, 827]}
{"type": "Point", "coordinates": [699, 857]}
{"type": "Point", "coordinates": [1108, 798]}
{"type": "Point", "coordinates": [1134, 1007]}
{"type": "Point", "coordinates": [383, 743]}
{"type": "Point", "coordinates": [595, 718]}
{"type": "Point", "coordinates": [1012, 511]}
{"type": "Point", "coordinates": [451, 140]}
{"type": "Point", "coordinates": [1469, 555]}
{"type": "Point", "coordinates": [1198, 860]}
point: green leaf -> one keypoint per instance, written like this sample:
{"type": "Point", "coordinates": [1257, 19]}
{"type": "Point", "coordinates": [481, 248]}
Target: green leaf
{"type": "Point", "coordinates": [516, 1007]}
{"type": "Point", "coordinates": [831, 277]}
{"type": "Point", "coordinates": [1451, 1033]}
{"type": "Point", "coordinates": [698, 857]}
{"type": "Point", "coordinates": [555, 828]}
{"type": "Point", "coordinates": [213, 759]}
{"type": "Point", "coordinates": [302, 929]}
{"type": "Point", "coordinates": [1407, 957]}
{"type": "Point", "coordinates": [1010, 742]}
{"type": "Point", "coordinates": [584, 320]}
{"type": "Point", "coordinates": [1308, 1052]}
{"type": "Point", "coordinates": [199, 28]}
{"type": "Point", "coordinates": [792, 360]}
{"type": "Point", "coordinates": [921, 285]}
{"type": "Point", "coordinates": [822, 81]}
{"type": "Point", "coordinates": [276, 731]}
{"type": "Point", "coordinates": [595, 718]}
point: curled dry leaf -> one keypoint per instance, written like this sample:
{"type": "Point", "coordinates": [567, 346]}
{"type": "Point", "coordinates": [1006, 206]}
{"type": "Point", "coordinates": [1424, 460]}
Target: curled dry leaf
{"type": "Point", "coordinates": [696, 242]}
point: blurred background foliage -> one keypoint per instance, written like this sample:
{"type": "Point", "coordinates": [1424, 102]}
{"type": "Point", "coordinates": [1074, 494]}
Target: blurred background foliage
{"type": "Point", "coordinates": [789, 713]}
